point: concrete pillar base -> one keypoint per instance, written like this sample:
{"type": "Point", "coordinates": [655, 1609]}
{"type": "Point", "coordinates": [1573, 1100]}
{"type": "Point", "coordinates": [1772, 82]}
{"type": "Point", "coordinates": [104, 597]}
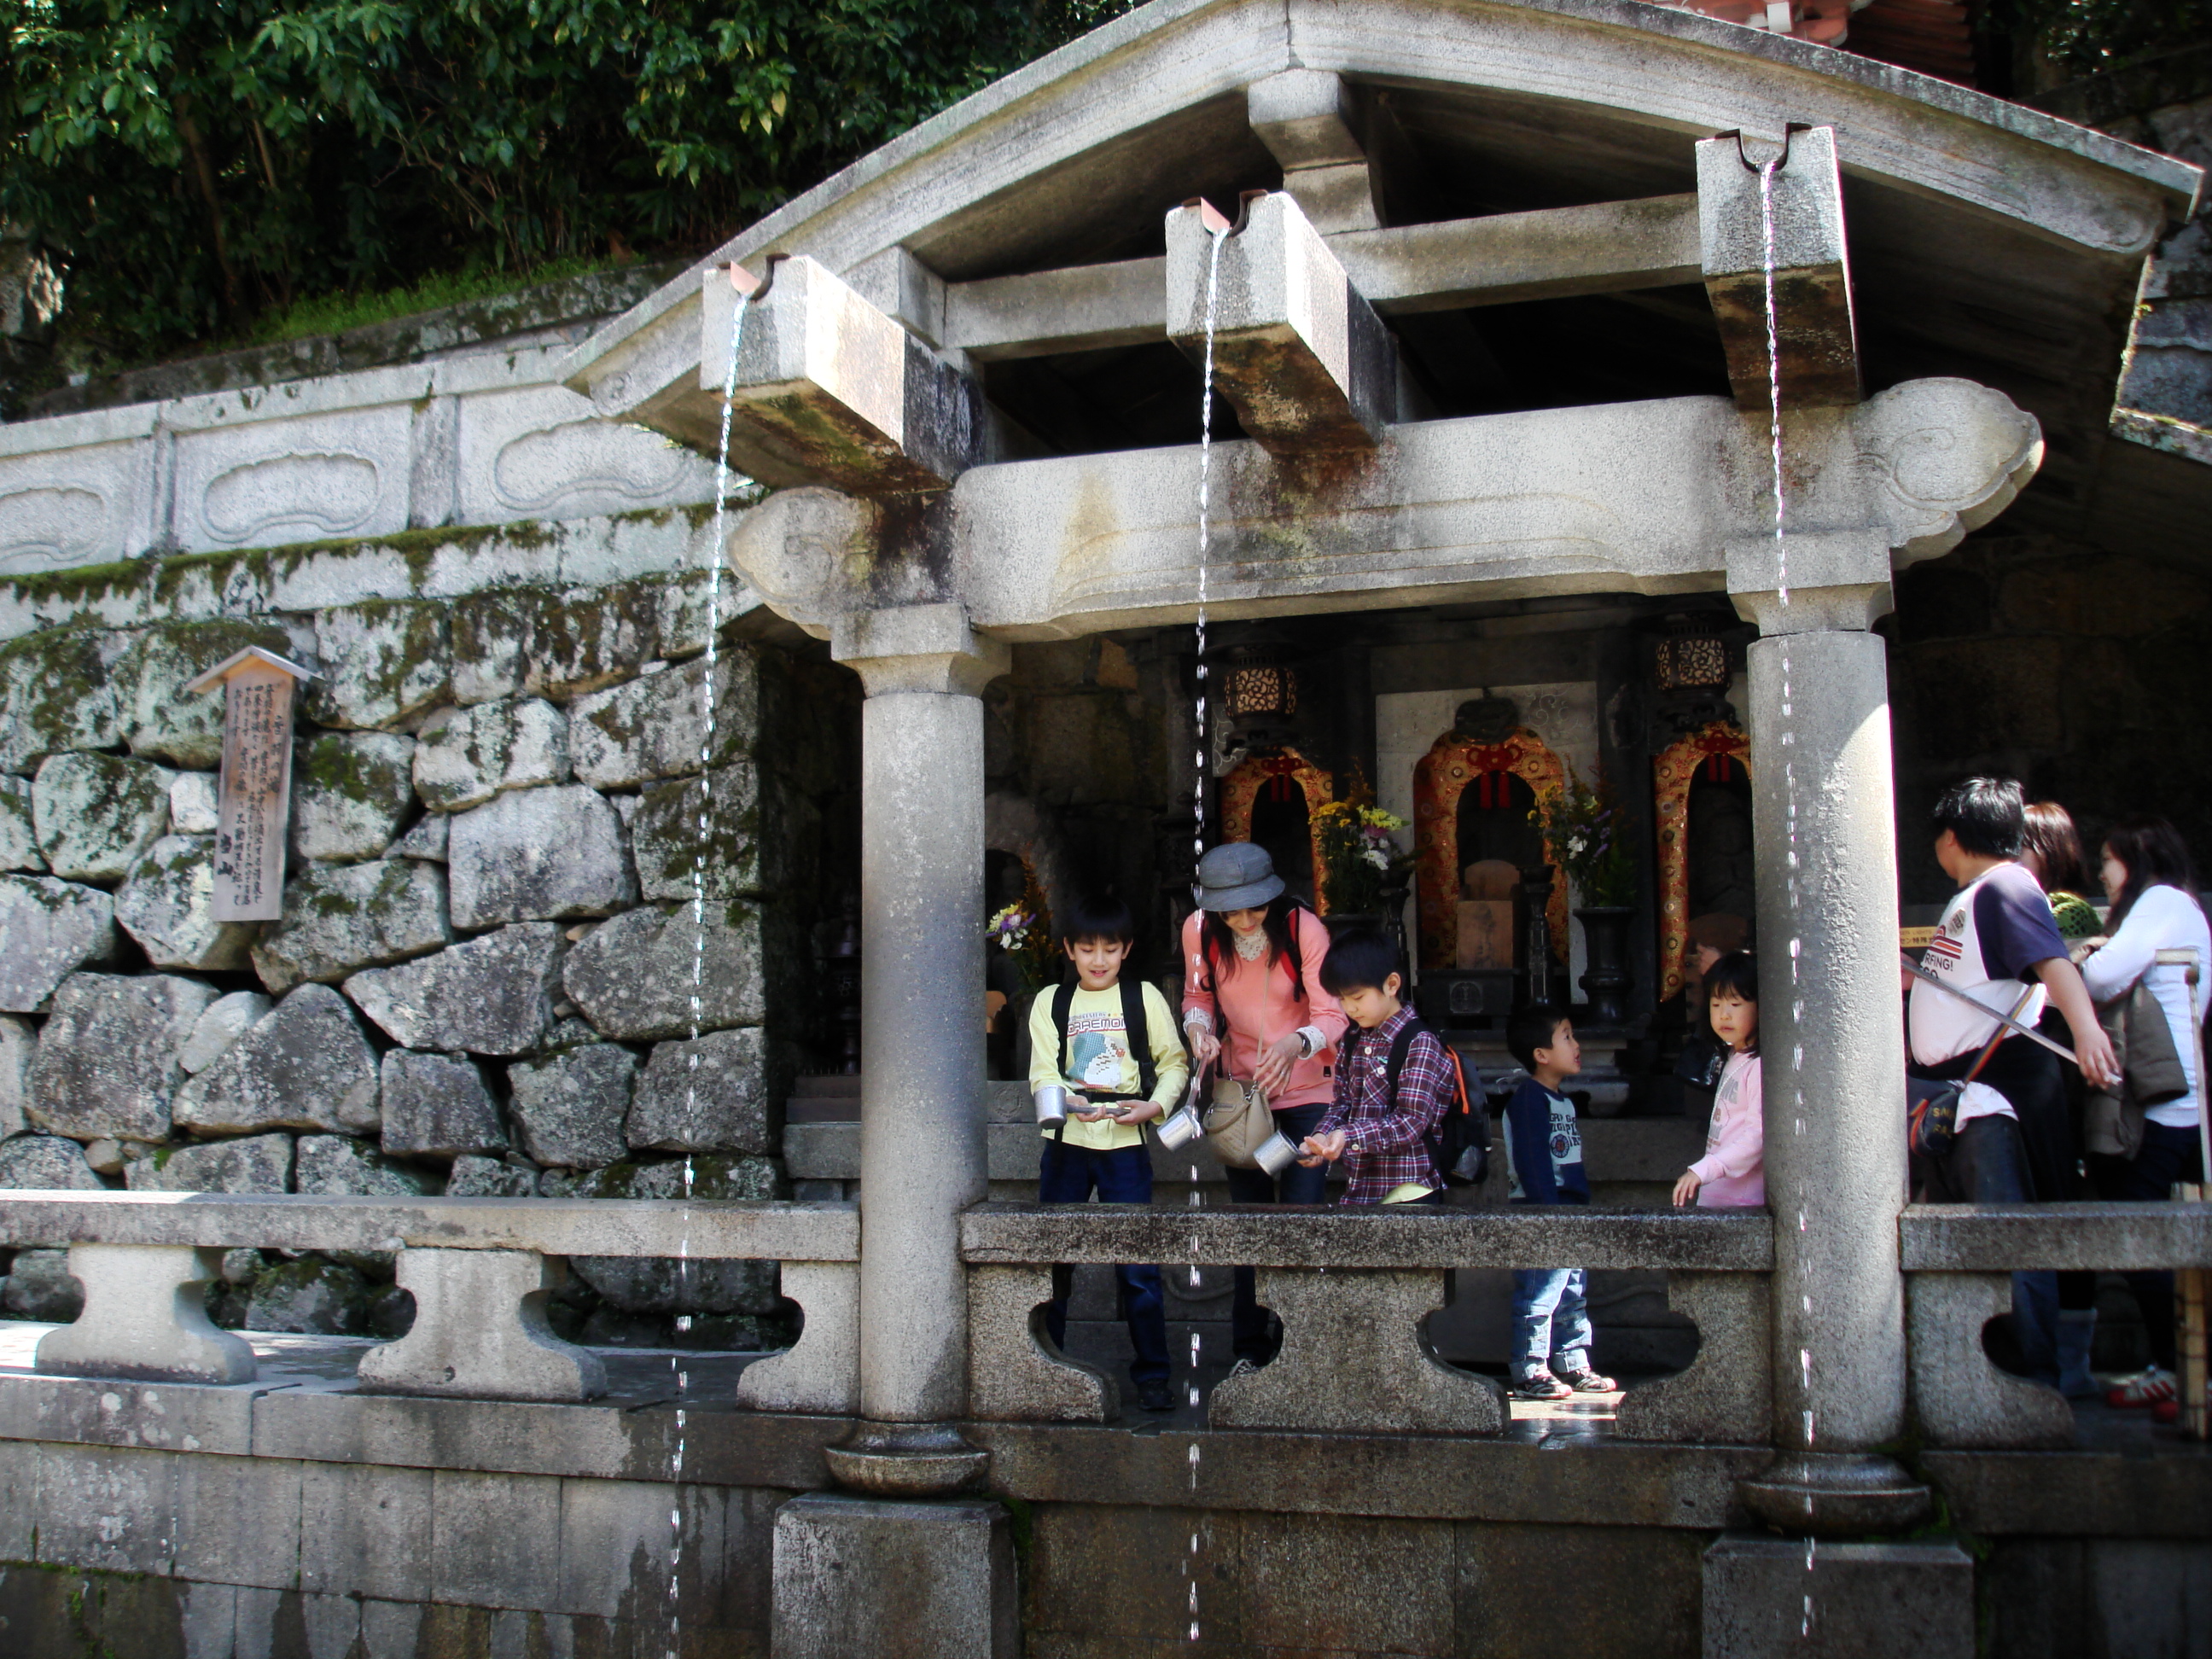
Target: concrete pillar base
{"type": "Point", "coordinates": [907, 1460]}
{"type": "Point", "coordinates": [1766, 1598]}
{"type": "Point", "coordinates": [893, 1580]}
{"type": "Point", "coordinates": [1835, 1494]}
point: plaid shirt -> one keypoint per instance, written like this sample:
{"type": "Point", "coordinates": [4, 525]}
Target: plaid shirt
{"type": "Point", "coordinates": [1388, 1144]}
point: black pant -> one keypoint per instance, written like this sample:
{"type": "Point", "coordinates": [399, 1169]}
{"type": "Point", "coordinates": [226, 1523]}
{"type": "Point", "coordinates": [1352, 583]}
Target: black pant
{"type": "Point", "coordinates": [1986, 1164]}
{"type": "Point", "coordinates": [2168, 1155]}
{"type": "Point", "coordinates": [1249, 1331]}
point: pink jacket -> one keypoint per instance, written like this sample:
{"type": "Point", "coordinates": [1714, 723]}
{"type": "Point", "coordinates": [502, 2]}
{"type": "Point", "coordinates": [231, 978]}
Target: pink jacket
{"type": "Point", "coordinates": [1259, 1002]}
{"type": "Point", "coordinates": [1733, 1171]}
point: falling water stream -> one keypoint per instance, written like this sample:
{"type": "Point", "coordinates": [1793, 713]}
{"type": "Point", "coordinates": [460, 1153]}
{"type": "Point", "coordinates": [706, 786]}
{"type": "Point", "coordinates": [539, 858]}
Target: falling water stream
{"type": "Point", "coordinates": [1217, 235]}
{"type": "Point", "coordinates": [707, 714]}
{"type": "Point", "coordinates": [1767, 170]}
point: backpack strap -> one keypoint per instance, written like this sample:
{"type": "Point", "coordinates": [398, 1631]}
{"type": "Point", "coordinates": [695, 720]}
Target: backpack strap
{"type": "Point", "coordinates": [1063, 1000]}
{"type": "Point", "coordinates": [1136, 1028]}
{"type": "Point", "coordinates": [1435, 1140]}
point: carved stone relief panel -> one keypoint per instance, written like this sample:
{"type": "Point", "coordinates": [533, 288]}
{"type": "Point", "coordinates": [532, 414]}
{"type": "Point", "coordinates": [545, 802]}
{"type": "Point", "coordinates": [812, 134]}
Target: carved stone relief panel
{"type": "Point", "coordinates": [268, 482]}
{"type": "Point", "coordinates": [542, 453]}
{"type": "Point", "coordinates": [75, 507]}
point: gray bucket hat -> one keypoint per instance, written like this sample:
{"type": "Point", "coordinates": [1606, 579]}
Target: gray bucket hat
{"type": "Point", "coordinates": [1236, 875]}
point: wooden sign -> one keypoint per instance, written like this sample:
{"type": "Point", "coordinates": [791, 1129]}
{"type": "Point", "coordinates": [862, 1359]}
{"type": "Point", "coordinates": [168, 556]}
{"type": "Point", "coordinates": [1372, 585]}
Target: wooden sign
{"type": "Point", "coordinates": [257, 781]}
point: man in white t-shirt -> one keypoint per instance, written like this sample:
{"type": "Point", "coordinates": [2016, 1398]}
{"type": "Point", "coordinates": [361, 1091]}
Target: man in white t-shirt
{"type": "Point", "coordinates": [1998, 951]}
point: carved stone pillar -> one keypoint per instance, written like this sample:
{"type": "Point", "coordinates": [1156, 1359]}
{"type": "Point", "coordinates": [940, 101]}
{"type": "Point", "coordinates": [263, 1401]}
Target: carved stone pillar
{"type": "Point", "coordinates": [921, 1035]}
{"type": "Point", "coordinates": [1823, 814]}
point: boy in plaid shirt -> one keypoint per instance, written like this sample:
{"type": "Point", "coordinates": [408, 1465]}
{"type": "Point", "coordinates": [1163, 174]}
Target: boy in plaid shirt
{"type": "Point", "coordinates": [1385, 1138]}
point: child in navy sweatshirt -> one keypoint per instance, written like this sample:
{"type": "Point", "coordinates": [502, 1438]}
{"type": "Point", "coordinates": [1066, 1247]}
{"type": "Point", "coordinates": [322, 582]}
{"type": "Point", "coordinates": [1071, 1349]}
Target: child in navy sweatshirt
{"type": "Point", "coordinates": [1544, 1149]}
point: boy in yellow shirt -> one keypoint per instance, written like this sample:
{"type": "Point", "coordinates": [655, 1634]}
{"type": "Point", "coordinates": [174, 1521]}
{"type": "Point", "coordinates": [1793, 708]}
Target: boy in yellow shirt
{"type": "Point", "coordinates": [1113, 1047]}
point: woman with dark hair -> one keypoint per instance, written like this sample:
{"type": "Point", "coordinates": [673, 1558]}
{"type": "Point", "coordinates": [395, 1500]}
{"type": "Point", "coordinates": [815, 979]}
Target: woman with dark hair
{"type": "Point", "coordinates": [2051, 851]}
{"type": "Point", "coordinates": [1253, 1000]}
{"type": "Point", "coordinates": [2157, 935]}
{"type": "Point", "coordinates": [2051, 848]}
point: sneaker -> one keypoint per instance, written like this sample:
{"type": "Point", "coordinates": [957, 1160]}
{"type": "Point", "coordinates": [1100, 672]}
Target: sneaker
{"type": "Point", "coordinates": [1587, 1382]}
{"type": "Point", "coordinates": [1539, 1385]}
{"type": "Point", "coordinates": [1153, 1396]}
{"type": "Point", "coordinates": [1243, 1368]}
{"type": "Point", "coordinates": [2149, 1388]}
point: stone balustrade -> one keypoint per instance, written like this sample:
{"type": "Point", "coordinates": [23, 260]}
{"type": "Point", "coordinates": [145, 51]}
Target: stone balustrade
{"type": "Point", "coordinates": [1959, 1259]}
{"type": "Point", "coordinates": [480, 1271]}
{"type": "Point", "coordinates": [1352, 1290]}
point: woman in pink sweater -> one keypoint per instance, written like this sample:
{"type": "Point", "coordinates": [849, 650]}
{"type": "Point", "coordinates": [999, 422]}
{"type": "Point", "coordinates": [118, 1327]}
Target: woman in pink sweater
{"type": "Point", "coordinates": [1733, 1172]}
{"type": "Point", "coordinates": [1253, 999]}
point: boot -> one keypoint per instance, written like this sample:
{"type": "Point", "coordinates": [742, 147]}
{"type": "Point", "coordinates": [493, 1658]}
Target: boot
{"type": "Point", "coordinates": [2076, 1326]}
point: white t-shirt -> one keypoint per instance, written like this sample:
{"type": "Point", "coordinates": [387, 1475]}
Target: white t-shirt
{"type": "Point", "coordinates": [2163, 919]}
{"type": "Point", "coordinates": [1993, 932]}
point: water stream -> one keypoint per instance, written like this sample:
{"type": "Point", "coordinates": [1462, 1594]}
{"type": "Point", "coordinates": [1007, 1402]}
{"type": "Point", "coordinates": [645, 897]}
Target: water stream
{"type": "Point", "coordinates": [707, 716]}
{"type": "Point", "coordinates": [1767, 171]}
{"type": "Point", "coordinates": [1218, 235]}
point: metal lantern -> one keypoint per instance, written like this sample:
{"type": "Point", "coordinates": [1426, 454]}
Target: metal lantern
{"type": "Point", "coordinates": [1260, 695]}
{"type": "Point", "coordinates": [1691, 657]}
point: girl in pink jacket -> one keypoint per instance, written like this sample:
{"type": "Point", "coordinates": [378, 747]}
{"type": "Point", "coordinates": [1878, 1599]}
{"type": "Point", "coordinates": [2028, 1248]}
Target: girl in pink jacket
{"type": "Point", "coordinates": [1733, 1172]}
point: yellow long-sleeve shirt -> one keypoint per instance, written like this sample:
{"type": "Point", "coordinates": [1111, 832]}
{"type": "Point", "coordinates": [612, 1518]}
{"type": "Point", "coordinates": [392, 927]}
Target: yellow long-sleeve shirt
{"type": "Point", "coordinates": [1098, 1056]}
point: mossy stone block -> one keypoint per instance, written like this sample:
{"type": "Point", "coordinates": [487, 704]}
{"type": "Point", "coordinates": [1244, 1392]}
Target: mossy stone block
{"type": "Point", "coordinates": [339, 918]}
{"type": "Point", "coordinates": [57, 693]}
{"type": "Point", "coordinates": [168, 905]}
{"type": "Point", "coordinates": [160, 719]}
{"type": "Point", "coordinates": [350, 792]}
{"type": "Point", "coordinates": [383, 661]}
{"type": "Point", "coordinates": [95, 815]}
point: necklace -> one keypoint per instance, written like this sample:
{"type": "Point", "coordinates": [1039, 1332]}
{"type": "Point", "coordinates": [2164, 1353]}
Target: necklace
{"type": "Point", "coordinates": [1251, 946]}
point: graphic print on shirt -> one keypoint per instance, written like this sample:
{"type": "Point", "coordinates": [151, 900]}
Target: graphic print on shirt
{"type": "Point", "coordinates": [1993, 933]}
{"type": "Point", "coordinates": [1562, 1144]}
{"type": "Point", "coordinates": [1098, 1051]}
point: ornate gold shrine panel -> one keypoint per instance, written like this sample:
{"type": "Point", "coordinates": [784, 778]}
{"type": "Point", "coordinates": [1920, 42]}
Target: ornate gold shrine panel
{"type": "Point", "coordinates": [1711, 748]}
{"type": "Point", "coordinates": [1240, 792]}
{"type": "Point", "coordinates": [1440, 777]}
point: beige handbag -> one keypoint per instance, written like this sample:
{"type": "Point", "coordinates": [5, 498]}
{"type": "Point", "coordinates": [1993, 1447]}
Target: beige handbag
{"type": "Point", "coordinates": [1238, 1123]}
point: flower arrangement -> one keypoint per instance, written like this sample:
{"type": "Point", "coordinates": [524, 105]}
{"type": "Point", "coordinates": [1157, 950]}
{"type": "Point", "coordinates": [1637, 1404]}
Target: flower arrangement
{"type": "Point", "coordinates": [1023, 931]}
{"type": "Point", "coordinates": [1358, 856]}
{"type": "Point", "coordinates": [1586, 833]}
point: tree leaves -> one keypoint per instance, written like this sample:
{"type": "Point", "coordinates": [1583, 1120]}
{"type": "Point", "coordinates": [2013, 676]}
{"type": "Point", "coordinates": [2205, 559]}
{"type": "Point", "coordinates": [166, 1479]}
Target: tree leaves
{"type": "Point", "coordinates": [342, 144]}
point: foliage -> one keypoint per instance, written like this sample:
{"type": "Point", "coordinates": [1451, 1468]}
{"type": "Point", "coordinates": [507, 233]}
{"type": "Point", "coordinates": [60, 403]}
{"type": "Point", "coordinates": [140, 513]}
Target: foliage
{"type": "Point", "coordinates": [191, 164]}
{"type": "Point", "coordinates": [2081, 37]}
{"type": "Point", "coordinates": [1586, 831]}
{"type": "Point", "coordinates": [1358, 856]}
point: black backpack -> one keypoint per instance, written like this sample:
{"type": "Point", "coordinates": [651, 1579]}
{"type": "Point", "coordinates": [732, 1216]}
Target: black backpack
{"type": "Point", "coordinates": [1134, 1026]}
{"type": "Point", "coordinates": [1460, 1145]}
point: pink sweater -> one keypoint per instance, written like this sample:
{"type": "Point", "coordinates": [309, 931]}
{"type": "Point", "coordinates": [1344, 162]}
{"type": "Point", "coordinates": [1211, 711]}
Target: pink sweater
{"type": "Point", "coordinates": [1733, 1171]}
{"type": "Point", "coordinates": [1262, 1007]}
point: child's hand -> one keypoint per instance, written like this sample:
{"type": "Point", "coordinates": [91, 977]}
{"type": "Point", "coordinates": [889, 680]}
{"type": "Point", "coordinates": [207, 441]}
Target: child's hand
{"type": "Point", "coordinates": [1686, 1189]}
{"type": "Point", "coordinates": [1140, 1111]}
{"type": "Point", "coordinates": [1323, 1149]}
{"type": "Point", "coordinates": [1095, 1112]}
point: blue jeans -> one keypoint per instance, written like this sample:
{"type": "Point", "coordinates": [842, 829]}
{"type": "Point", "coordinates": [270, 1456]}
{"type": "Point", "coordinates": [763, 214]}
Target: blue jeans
{"type": "Point", "coordinates": [1248, 1326]}
{"type": "Point", "coordinates": [1551, 1320]}
{"type": "Point", "coordinates": [1069, 1174]}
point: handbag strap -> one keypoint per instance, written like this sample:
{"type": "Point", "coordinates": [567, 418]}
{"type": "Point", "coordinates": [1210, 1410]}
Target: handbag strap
{"type": "Point", "coordinates": [1999, 1035]}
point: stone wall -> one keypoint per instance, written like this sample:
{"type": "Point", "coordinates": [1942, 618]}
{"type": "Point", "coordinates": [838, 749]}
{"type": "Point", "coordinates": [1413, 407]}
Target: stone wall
{"type": "Point", "coordinates": [488, 976]}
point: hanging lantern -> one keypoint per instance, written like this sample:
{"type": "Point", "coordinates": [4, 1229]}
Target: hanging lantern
{"type": "Point", "coordinates": [1692, 656]}
{"type": "Point", "coordinates": [1260, 695]}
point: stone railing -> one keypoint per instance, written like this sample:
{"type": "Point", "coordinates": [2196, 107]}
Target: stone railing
{"type": "Point", "coordinates": [1959, 1261]}
{"type": "Point", "coordinates": [480, 1271]}
{"type": "Point", "coordinates": [1353, 1291]}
